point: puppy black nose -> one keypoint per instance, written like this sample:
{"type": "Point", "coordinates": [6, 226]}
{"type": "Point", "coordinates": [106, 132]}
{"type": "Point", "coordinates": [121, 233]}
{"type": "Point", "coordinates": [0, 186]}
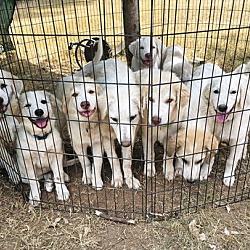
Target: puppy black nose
{"type": "Point", "coordinates": [39, 112]}
{"type": "Point", "coordinates": [222, 108]}
{"type": "Point", "coordinates": [156, 120]}
{"type": "Point", "coordinates": [148, 56]}
{"type": "Point", "coordinates": [85, 104]}
{"type": "Point", "coordinates": [1, 100]}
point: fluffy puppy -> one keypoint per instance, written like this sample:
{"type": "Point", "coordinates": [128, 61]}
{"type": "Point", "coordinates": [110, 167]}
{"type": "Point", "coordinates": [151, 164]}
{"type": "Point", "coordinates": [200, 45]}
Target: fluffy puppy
{"type": "Point", "coordinates": [123, 104]}
{"type": "Point", "coordinates": [224, 103]}
{"type": "Point", "coordinates": [175, 61]}
{"type": "Point", "coordinates": [39, 145]}
{"type": "Point", "coordinates": [10, 89]}
{"type": "Point", "coordinates": [164, 103]}
{"type": "Point", "coordinates": [147, 53]}
{"type": "Point", "coordinates": [85, 107]}
{"type": "Point", "coordinates": [194, 151]}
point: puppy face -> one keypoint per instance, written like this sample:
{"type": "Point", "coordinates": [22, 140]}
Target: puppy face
{"type": "Point", "coordinates": [10, 88]}
{"type": "Point", "coordinates": [223, 96]}
{"type": "Point", "coordinates": [124, 114]}
{"type": "Point", "coordinates": [84, 99]}
{"type": "Point", "coordinates": [36, 110]}
{"type": "Point", "coordinates": [146, 49]}
{"type": "Point", "coordinates": [166, 97]}
{"type": "Point", "coordinates": [194, 149]}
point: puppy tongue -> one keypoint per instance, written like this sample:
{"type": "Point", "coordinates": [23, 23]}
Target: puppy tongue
{"type": "Point", "coordinates": [147, 62]}
{"type": "Point", "coordinates": [221, 117]}
{"type": "Point", "coordinates": [41, 122]}
{"type": "Point", "coordinates": [87, 113]}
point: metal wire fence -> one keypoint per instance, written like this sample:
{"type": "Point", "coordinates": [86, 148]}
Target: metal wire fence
{"type": "Point", "coordinates": [128, 142]}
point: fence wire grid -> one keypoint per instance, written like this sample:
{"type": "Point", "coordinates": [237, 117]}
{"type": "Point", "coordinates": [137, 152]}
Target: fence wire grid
{"type": "Point", "coordinates": [153, 136]}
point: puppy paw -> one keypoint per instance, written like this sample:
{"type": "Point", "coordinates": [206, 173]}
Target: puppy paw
{"type": "Point", "coordinates": [62, 192]}
{"type": "Point", "coordinates": [34, 200]}
{"type": "Point", "coordinates": [133, 183]}
{"type": "Point", "coordinates": [228, 180]}
{"type": "Point", "coordinates": [87, 180]}
{"type": "Point", "coordinates": [169, 175]}
{"type": "Point", "coordinates": [117, 181]}
{"type": "Point", "coordinates": [97, 184]}
{"type": "Point", "coordinates": [149, 170]}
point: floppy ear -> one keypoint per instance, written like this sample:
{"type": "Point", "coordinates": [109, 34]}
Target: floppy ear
{"type": "Point", "coordinates": [211, 144]}
{"type": "Point", "coordinates": [244, 93]}
{"type": "Point", "coordinates": [184, 95]}
{"type": "Point", "coordinates": [102, 101]}
{"type": "Point", "coordinates": [206, 93]}
{"type": "Point", "coordinates": [159, 45]}
{"type": "Point", "coordinates": [133, 47]}
{"type": "Point", "coordinates": [17, 87]}
{"type": "Point", "coordinates": [175, 142]}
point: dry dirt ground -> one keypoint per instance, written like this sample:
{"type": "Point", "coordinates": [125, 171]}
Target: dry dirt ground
{"type": "Point", "coordinates": [24, 228]}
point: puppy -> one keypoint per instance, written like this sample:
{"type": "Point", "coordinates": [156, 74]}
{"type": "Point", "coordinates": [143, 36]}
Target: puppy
{"type": "Point", "coordinates": [224, 103]}
{"type": "Point", "coordinates": [39, 145]}
{"type": "Point", "coordinates": [10, 90]}
{"type": "Point", "coordinates": [164, 103]}
{"type": "Point", "coordinates": [85, 107]}
{"type": "Point", "coordinates": [194, 151]}
{"type": "Point", "coordinates": [147, 53]}
{"type": "Point", "coordinates": [175, 61]}
{"type": "Point", "coordinates": [123, 104]}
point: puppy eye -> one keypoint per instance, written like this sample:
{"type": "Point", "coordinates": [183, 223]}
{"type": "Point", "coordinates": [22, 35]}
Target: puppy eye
{"type": "Point", "coordinates": [141, 47]}
{"type": "Point", "coordinates": [233, 92]}
{"type": "Point", "coordinates": [184, 160]}
{"type": "Point", "coordinates": [216, 91]}
{"type": "Point", "coordinates": [75, 94]}
{"type": "Point", "coordinates": [198, 162]}
{"type": "Point", "coordinates": [153, 47]}
{"type": "Point", "coordinates": [43, 101]}
{"type": "Point", "coordinates": [114, 119]}
{"type": "Point", "coordinates": [91, 92]}
{"type": "Point", "coordinates": [150, 99]}
{"type": "Point", "coordinates": [169, 100]}
{"type": "Point", "coordinates": [3, 85]}
{"type": "Point", "coordinates": [132, 118]}
{"type": "Point", "coordinates": [27, 105]}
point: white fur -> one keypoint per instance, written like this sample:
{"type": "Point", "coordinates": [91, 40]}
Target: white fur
{"type": "Point", "coordinates": [35, 157]}
{"type": "Point", "coordinates": [10, 89]}
{"type": "Point", "coordinates": [165, 100]}
{"type": "Point", "coordinates": [86, 108]}
{"type": "Point", "coordinates": [176, 61]}
{"type": "Point", "coordinates": [147, 52]}
{"type": "Point", "coordinates": [123, 99]}
{"type": "Point", "coordinates": [220, 90]}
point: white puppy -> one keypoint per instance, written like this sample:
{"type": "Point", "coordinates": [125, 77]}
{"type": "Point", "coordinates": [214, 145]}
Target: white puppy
{"type": "Point", "coordinates": [39, 145]}
{"type": "Point", "coordinates": [176, 61]}
{"type": "Point", "coordinates": [225, 104]}
{"type": "Point", "coordinates": [85, 107]}
{"type": "Point", "coordinates": [10, 89]}
{"type": "Point", "coordinates": [165, 102]}
{"type": "Point", "coordinates": [147, 52]}
{"type": "Point", "coordinates": [123, 99]}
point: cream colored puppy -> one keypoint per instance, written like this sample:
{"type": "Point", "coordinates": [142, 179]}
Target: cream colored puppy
{"type": "Point", "coordinates": [194, 151]}
{"type": "Point", "coordinates": [85, 107]}
{"type": "Point", "coordinates": [39, 145]}
{"type": "Point", "coordinates": [165, 102]}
